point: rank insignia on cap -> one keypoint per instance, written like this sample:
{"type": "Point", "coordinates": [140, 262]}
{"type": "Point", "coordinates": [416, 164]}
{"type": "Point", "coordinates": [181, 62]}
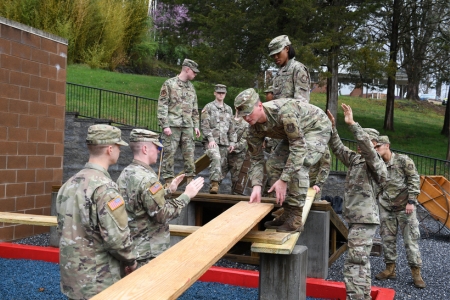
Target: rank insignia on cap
{"type": "Point", "coordinates": [116, 203]}
{"type": "Point", "coordinates": [155, 188]}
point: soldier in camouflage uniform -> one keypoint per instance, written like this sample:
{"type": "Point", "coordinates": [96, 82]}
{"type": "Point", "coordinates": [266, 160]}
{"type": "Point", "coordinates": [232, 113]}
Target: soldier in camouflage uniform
{"type": "Point", "coordinates": [365, 176]}
{"type": "Point", "coordinates": [92, 221]}
{"type": "Point", "coordinates": [398, 209]}
{"type": "Point", "coordinates": [219, 136]}
{"type": "Point", "coordinates": [178, 116]}
{"type": "Point", "coordinates": [236, 157]}
{"type": "Point", "coordinates": [148, 211]}
{"type": "Point", "coordinates": [305, 131]}
{"type": "Point", "coordinates": [292, 79]}
{"type": "Point", "coordinates": [318, 174]}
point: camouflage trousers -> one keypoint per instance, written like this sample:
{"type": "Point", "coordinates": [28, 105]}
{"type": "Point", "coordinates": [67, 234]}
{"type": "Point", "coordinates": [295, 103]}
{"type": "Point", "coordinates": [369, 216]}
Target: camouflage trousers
{"type": "Point", "coordinates": [297, 189]}
{"type": "Point", "coordinates": [235, 162]}
{"type": "Point", "coordinates": [184, 135]}
{"type": "Point", "coordinates": [357, 263]}
{"type": "Point", "coordinates": [218, 167]}
{"type": "Point", "coordinates": [409, 226]}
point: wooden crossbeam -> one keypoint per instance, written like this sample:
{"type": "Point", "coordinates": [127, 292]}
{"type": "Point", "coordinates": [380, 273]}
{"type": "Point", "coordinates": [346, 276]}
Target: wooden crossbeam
{"type": "Point", "coordinates": [175, 270]}
{"type": "Point", "coordinates": [28, 219]}
{"type": "Point", "coordinates": [276, 238]}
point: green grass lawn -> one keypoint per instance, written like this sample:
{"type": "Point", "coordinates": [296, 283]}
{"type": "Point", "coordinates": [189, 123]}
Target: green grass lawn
{"type": "Point", "coordinates": [417, 124]}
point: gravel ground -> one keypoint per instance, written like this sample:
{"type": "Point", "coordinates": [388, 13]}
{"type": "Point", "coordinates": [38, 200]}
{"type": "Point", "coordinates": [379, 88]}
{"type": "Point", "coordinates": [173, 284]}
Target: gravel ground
{"type": "Point", "coordinates": [435, 250]}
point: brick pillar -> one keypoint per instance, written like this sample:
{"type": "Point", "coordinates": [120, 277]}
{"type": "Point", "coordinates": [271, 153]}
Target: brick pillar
{"type": "Point", "coordinates": [32, 111]}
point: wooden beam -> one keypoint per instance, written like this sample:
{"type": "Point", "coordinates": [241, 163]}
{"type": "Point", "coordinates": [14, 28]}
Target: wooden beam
{"type": "Point", "coordinates": [176, 269]}
{"type": "Point", "coordinates": [28, 219]}
{"type": "Point", "coordinates": [200, 164]}
{"type": "Point", "coordinates": [253, 236]}
{"type": "Point", "coordinates": [337, 254]}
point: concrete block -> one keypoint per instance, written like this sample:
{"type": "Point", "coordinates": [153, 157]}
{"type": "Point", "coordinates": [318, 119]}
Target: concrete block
{"type": "Point", "coordinates": [316, 237]}
{"type": "Point", "coordinates": [283, 276]}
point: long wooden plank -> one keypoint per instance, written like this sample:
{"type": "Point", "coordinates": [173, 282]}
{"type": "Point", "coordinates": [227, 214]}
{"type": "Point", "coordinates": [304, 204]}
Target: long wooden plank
{"type": "Point", "coordinates": [171, 273]}
{"type": "Point", "coordinates": [28, 219]}
{"type": "Point", "coordinates": [287, 247]}
{"type": "Point", "coordinates": [276, 238]}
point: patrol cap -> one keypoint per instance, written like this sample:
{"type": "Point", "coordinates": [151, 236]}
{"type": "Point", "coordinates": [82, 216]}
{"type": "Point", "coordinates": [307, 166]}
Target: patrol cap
{"type": "Point", "coordinates": [220, 88]}
{"type": "Point", "coordinates": [101, 134]}
{"type": "Point", "coordinates": [278, 44]}
{"type": "Point", "coordinates": [143, 135]}
{"type": "Point", "coordinates": [269, 90]}
{"type": "Point", "coordinates": [191, 64]}
{"type": "Point", "coordinates": [383, 139]}
{"type": "Point", "coordinates": [373, 133]}
{"type": "Point", "coordinates": [244, 103]}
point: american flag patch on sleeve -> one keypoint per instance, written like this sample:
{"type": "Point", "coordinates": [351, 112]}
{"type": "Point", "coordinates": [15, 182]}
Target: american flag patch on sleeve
{"type": "Point", "coordinates": [155, 188]}
{"type": "Point", "coordinates": [116, 203]}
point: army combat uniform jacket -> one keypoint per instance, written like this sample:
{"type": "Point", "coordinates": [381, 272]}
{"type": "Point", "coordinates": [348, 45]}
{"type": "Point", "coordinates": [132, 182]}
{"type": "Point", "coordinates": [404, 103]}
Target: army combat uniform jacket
{"type": "Point", "coordinates": [95, 237]}
{"type": "Point", "coordinates": [403, 183]}
{"type": "Point", "coordinates": [292, 81]}
{"type": "Point", "coordinates": [177, 104]}
{"type": "Point", "coordinates": [148, 211]}
{"type": "Point", "coordinates": [218, 125]}
{"type": "Point", "coordinates": [366, 173]}
{"type": "Point", "coordinates": [306, 128]}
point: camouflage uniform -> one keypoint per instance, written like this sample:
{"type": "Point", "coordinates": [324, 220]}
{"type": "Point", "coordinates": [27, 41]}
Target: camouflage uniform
{"type": "Point", "coordinates": [403, 184]}
{"type": "Point", "coordinates": [318, 173]}
{"type": "Point", "coordinates": [218, 126]}
{"type": "Point", "coordinates": [237, 157]}
{"type": "Point", "coordinates": [148, 212]}
{"type": "Point", "coordinates": [293, 79]}
{"type": "Point", "coordinates": [366, 172]}
{"type": "Point", "coordinates": [178, 109]}
{"type": "Point", "coordinates": [304, 130]}
{"type": "Point", "coordinates": [92, 222]}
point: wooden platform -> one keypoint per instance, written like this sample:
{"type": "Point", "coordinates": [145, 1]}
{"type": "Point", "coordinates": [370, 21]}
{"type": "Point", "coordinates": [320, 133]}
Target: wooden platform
{"type": "Point", "coordinates": [172, 272]}
{"type": "Point", "coordinates": [286, 248]}
{"type": "Point", "coordinates": [338, 230]}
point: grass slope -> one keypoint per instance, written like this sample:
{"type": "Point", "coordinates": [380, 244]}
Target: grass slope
{"type": "Point", "coordinates": [417, 124]}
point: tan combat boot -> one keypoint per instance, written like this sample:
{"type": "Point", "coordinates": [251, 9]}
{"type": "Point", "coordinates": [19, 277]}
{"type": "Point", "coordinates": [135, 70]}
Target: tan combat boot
{"type": "Point", "coordinates": [417, 278]}
{"type": "Point", "coordinates": [189, 179]}
{"type": "Point", "coordinates": [293, 220]}
{"type": "Point", "coordinates": [214, 188]}
{"type": "Point", "coordinates": [278, 212]}
{"type": "Point", "coordinates": [278, 221]}
{"type": "Point", "coordinates": [389, 273]}
{"type": "Point", "coordinates": [167, 183]}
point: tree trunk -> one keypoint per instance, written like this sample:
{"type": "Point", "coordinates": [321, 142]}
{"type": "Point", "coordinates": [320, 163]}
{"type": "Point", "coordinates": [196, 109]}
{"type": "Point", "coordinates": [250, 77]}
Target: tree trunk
{"type": "Point", "coordinates": [390, 96]}
{"type": "Point", "coordinates": [446, 128]}
{"type": "Point", "coordinates": [332, 82]}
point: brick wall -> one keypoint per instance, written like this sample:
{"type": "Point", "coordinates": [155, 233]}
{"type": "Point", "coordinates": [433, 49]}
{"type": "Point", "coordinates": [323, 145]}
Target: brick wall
{"type": "Point", "coordinates": [32, 112]}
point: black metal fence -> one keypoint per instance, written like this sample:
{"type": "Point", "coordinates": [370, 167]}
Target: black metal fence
{"type": "Point", "coordinates": [118, 107]}
{"type": "Point", "coordinates": [139, 111]}
{"type": "Point", "coordinates": [425, 165]}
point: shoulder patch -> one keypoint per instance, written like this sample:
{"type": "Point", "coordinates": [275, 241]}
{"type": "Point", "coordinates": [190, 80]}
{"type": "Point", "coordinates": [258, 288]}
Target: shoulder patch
{"type": "Point", "coordinates": [156, 187]}
{"type": "Point", "coordinates": [116, 203]}
{"type": "Point", "coordinates": [304, 79]}
{"type": "Point", "coordinates": [163, 92]}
